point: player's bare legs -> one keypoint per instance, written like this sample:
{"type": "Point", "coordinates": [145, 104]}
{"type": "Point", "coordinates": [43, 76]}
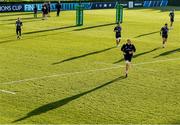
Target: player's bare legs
{"type": "Point", "coordinates": [118, 42]}
{"type": "Point", "coordinates": [164, 42]}
{"type": "Point", "coordinates": [127, 68]}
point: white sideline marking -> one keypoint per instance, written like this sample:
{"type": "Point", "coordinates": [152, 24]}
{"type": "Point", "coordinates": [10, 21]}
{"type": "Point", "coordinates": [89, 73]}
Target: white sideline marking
{"type": "Point", "coordinates": [58, 75]}
{"type": "Point", "coordinates": [72, 73]}
{"type": "Point", "coordinates": [157, 61]}
{"type": "Point", "coordinates": [5, 91]}
{"type": "Point", "coordinates": [109, 64]}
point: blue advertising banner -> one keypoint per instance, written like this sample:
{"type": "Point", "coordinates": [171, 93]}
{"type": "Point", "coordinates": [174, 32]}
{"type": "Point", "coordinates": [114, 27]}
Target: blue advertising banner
{"type": "Point", "coordinates": [138, 4]}
{"type": "Point", "coordinates": [103, 5]}
{"type": "Point", "coordinates": [64, 6]}
{"type": "Point", "coordinates": [30, 7]}
{"type": "Point", "coordinates": [11, 8]}
{"type": "Point", "coordinates": [124, 4]}
{"type": "Point", "coordinates": [72, 6]}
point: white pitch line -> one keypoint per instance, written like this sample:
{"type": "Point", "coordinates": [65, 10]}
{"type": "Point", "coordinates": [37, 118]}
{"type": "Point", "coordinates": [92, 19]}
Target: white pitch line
{"type": "Point", "coordinates": [95, 70]}
{"type": "Point", "coordinates": [109, 64]}
{"type": "Point", "coordinates": [58, 75]}
{"type": "Point", "coordinates": [157, 61]}
{"type": "Point", "coordinates": [5, 91]}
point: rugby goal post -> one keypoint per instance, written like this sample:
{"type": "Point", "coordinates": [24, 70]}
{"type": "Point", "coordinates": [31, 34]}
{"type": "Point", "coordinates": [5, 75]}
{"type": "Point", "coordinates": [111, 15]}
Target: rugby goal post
{"type": "Point", "coordinates": [119, 13]}
{"type": "Point", "coordinates": [79, 14]}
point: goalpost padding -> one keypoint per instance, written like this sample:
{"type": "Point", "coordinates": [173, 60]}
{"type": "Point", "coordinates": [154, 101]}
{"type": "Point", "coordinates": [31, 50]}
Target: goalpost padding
{"type": "Point", "coordinates": [119, 13]}
{"type": "Point", "coordinates": [79, 15]}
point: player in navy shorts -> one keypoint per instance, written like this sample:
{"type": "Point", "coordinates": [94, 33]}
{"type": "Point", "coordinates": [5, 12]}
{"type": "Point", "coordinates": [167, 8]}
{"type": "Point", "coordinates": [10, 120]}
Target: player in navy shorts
{"type": "Point", "coordinates": [171, 15]}
{"type": "Point", "coordinates": [18, 28]}
{"type": "Point", "coordinates": [118, 30]}
{"type": "Point", "coordinates": [164, 33]}
{"type": "Point", "coordinates": [128, 49]}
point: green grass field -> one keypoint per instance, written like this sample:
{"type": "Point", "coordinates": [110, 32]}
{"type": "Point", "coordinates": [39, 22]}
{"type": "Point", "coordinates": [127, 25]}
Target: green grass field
{"type": "Point", "coordinates": [59, 73]}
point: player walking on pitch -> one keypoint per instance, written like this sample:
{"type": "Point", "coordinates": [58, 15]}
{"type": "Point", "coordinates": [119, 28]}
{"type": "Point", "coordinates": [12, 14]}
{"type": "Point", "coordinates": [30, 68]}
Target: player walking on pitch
{"type": "Point", "coordinates": [128, 49]}
{"type": "Point", "coordinates": [164, 33]}
{"type": "Point", "coordinates": [49, 8]}
{"type": "Point", "coordinates": [58, 8]}
{"type": "Point", "coordinates": [18, 28]}
{"type": "Point", "coordinates": [35, 11]}
{"type": "Point", "coordinates": [171, 15]}
{"type": "Point", "coordinates": [118, 30]}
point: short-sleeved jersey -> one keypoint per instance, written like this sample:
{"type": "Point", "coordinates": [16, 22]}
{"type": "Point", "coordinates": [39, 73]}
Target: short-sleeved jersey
{"type": "Point", "coordinates": [18, 24]}
{"type": "Point", "coordinates": [164, 30]}
{"type": "Point", "coordinates": [127, 48]}
{"type": "Point", "coordinates": [117, 29]}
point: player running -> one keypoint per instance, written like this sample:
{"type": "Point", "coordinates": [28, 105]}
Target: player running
{"type": "Point", "coordinates": [118, 30]}
{"type": "Point", "coordinates": [164, 33]}
{"type": "Point", "coordinates": [171, 15]}
{"type": "Point", "coordinates": [128, 49]}
{"type": "Point", "coordinates": [18, 28]}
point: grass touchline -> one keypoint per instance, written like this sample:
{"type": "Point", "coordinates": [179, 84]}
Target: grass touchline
{"type": "Point", "coordinates": [72, 73]}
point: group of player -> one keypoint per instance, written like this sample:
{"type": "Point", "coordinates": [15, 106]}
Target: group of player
{"type": "Point", "coordinates": [128, 49]}
{"type": "Point", "coordinates": [165, 30]}
{"type": "Point", "coordinates": [46, 9]}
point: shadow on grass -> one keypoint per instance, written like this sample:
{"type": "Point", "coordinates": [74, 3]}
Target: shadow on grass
{"type": "Point", "coordinates": [7, 41]}
{"type": "Point", "coordinates": [84, 55]}
{"type": "Point", "coordinates": [137, 55]}
{"type": "Point", "coordinates": [24, 18]}
{"type": "Point", "coordinates": [57, 104]}
{"type": "Point", "coordinates": [13, 23]}
{"type": "Point", "coordinates": [169, 8]}
{"type": "Point", "coordinates": [161, 9]}
{"type": "Point", "coordinates": [25, 38]}
{"type": "Point", "coordinates": [168, 52]}
{"type": "Point", "coordinates": [146, 34]}
{"type": "Point", "coordinates": [16, 14]}
{"type": "Point", "coordinates": [92, 27]}
{"type": "Point", "coordinates": [34, 32]}
{"type": "Point", "coordinates": [46, 30]}
{"type": "Point", "coordinates": [177, 122]}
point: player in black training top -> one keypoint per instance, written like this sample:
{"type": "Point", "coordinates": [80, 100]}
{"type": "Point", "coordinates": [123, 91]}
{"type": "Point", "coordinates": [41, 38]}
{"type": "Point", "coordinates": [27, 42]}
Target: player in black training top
{"type": "Point", "coordinates": [118, 30]}
{"type": "Point", "coordinates": [44, 11]}
{"type": "Point", "coordinates": [171, 15]}
{"type": "Point", "coordinates": [164, 33]}
{"type": "Point", "coordinates": [18, 28]}
{"type": "Point", "coordinates": [58, 8]}
{"type": "Point", "coordinates": [49, 8]}
{"type": "Point", "coordinates": [35, 11]}
{"type": "Point", "coordinates": [128, 49]}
